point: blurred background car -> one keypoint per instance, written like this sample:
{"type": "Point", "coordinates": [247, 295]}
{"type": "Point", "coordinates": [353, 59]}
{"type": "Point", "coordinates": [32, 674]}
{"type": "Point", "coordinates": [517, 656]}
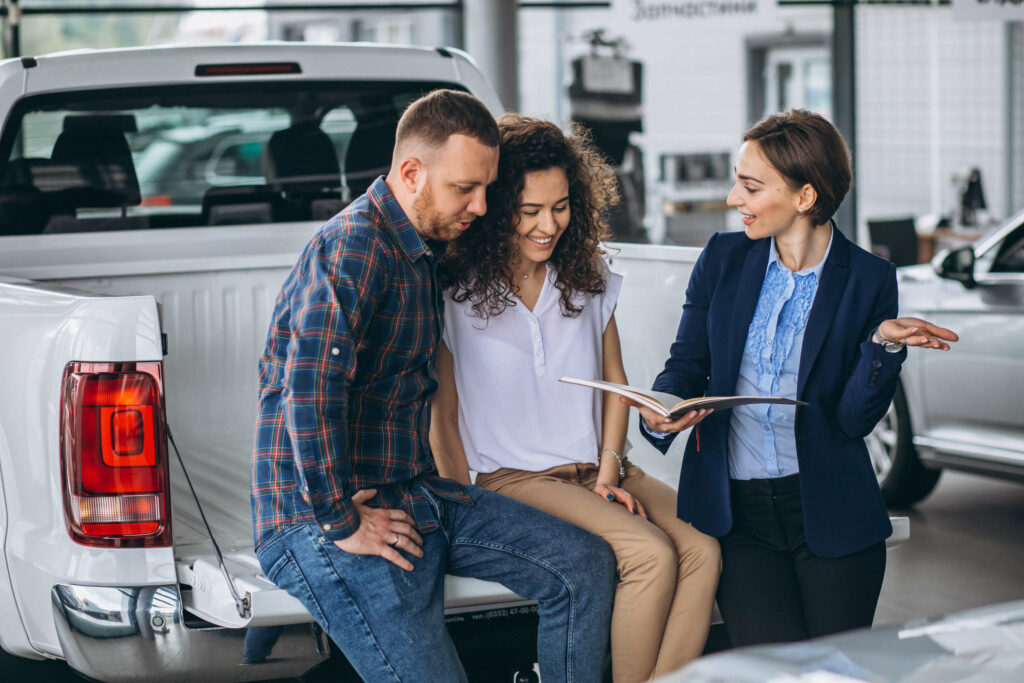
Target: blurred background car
{"type": "Point", "coordinates": [176, 165]}
{"type": "Point", "coordinates": [959, 410]}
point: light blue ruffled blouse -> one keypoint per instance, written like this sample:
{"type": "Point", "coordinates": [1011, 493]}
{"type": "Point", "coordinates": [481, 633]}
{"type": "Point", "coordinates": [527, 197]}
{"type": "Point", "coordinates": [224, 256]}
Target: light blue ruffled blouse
{"type": "Point", "coordinates": [762, 439]}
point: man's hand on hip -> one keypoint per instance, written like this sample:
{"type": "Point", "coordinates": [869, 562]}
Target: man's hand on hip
{"type": "Point", "coordinates": [381, 531]}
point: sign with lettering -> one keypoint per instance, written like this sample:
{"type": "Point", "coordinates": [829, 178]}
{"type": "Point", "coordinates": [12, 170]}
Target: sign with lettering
{"type": "Point", "coordinates": [1007, 10]}
{"type": "Point", "coordinates": [652, 13]}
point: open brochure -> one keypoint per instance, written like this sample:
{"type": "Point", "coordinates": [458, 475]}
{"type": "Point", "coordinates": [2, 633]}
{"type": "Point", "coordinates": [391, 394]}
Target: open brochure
{"type": "Point", "coordinates": [673, 406]}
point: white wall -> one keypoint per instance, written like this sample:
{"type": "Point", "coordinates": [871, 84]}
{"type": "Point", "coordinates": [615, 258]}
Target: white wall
{"type": "Point", "coordinates": [932, 95]}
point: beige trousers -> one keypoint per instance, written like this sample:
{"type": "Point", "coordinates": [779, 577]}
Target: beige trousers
{"type": "Point", "coordinates": [668, 571]}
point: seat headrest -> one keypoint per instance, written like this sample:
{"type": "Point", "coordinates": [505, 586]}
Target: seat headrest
{"type": "Point", "coordinates": [90, 166]}
{"type": "Point", "coordinates": [302, 154]}
{"type": "Point", "coordinates": [369, 154]}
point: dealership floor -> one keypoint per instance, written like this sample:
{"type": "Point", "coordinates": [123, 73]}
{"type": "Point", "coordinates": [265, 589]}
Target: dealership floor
{"type": "Point", "coordinates": [966, 549]}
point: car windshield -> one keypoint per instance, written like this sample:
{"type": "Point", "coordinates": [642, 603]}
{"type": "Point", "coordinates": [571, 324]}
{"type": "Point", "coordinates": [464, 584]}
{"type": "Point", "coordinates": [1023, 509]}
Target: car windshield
{"type": "Point", "coordinates": [187, 156]}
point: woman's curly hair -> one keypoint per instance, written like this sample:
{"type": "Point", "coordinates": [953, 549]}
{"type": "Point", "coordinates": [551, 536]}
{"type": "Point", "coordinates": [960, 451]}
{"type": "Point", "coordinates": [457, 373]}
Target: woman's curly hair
{"type": "Point", "coordinates": [478, 265]}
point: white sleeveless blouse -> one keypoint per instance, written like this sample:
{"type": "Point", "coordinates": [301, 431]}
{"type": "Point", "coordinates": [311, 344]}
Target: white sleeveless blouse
{"type": "Point", "coordinates": [513, 411]}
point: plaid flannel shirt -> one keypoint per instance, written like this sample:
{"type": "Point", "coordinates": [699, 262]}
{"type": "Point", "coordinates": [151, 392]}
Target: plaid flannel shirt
{"type": "Point", "coordinates": [347, 375]}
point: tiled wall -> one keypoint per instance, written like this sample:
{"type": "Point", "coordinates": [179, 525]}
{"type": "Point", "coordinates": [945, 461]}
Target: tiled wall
{"type": "Point", "coordinates": [932, 104]}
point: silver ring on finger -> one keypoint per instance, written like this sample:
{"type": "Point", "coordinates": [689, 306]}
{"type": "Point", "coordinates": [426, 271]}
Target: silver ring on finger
{"type": "Point", "coordinates": [394, 540]}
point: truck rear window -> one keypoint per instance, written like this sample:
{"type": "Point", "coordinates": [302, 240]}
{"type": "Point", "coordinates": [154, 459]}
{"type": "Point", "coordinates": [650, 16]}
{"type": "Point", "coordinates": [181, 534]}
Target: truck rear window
{"type": "Point", "coordinates": [187, 156]}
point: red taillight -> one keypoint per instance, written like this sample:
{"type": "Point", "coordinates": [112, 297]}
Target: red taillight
{"type": "Point", "coordinates": [114, 454]}
{"type": "Point", "coordinates": [156, 200]}
{"type": "Point", "coordinates": [254, 69]}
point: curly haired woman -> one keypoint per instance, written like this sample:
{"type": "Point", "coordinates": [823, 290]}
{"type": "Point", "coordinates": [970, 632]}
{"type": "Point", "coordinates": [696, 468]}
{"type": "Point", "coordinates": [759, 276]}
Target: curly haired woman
{"type": "Point", "coordinates": [529, 299]}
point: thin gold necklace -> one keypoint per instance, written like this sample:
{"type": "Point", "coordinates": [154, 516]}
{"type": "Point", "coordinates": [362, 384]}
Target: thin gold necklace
{"type": "Point", "coordinates": [526, 276]}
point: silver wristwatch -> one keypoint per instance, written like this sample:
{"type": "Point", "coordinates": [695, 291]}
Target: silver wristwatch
{"type": "Point", "coordinates": [889, 346]}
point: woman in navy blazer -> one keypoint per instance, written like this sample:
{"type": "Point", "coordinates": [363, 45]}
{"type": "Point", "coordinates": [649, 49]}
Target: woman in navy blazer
{"type": "Point", "coordinates": [790, 307]}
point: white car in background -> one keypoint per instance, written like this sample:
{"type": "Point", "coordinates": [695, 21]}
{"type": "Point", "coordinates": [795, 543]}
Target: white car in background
{"type": "Point", "coordinates": [963, 409]}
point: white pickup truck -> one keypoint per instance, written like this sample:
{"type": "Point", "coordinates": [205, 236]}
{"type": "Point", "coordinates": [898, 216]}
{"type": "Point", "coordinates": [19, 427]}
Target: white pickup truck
{"type": "Point", "coordinates": [152, 202]}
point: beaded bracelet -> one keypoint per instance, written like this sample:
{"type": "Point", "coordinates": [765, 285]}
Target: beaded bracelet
{"type": "Point", "coordinates": [618, 456]}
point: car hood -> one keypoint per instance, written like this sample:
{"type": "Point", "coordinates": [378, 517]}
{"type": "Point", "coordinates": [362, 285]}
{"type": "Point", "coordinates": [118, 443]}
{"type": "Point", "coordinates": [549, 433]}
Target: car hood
{"type": "Point", "coordinates": [980, 644]}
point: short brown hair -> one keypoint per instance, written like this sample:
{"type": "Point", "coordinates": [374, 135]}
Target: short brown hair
{"type": "Point", "coordinates": [440, 114]}
{"type": "Point", "coordinates": [807, 149]}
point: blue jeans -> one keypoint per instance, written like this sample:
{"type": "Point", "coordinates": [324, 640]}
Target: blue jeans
{"type": "Point", "coordinates": [390, 623]}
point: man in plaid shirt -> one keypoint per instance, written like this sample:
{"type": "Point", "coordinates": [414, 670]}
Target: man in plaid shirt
{"type": "Point", "coordinates": [350, 514]}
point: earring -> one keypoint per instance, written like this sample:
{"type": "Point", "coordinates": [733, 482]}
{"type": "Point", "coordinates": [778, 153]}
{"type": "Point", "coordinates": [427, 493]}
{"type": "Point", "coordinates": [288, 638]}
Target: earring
{"type": "Point", "coordinates": [799, 210]}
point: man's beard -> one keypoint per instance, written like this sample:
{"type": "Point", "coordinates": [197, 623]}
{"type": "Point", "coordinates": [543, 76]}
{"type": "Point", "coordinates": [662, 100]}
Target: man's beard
{"type": "Point", "coordinates": [430, 222]}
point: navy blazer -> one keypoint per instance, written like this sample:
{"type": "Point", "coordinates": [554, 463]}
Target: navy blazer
{"type": "Point", "coordinates": [847, 381]}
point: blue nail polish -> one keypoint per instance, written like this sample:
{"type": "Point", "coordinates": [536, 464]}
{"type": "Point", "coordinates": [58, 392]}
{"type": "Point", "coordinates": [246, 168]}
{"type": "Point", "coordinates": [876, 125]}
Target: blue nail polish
{"type": "Point", "coordinates": [634, 511]}
{"type": "Point", "coordinates": [609, 496]}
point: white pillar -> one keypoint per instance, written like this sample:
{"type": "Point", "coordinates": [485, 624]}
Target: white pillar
{"type": "Point", "coordinates": [490, 34]}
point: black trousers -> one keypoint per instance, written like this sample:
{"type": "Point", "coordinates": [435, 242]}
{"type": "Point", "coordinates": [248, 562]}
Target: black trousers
{"type": "Point", "coordinates": [773, 588]}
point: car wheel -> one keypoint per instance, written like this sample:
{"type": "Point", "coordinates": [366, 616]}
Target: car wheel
{"type": "Point", "coordinates": [904, 480]}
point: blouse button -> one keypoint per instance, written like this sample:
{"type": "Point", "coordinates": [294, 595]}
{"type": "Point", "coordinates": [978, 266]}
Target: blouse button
{"type": "Point", "coordinates": [335, 351]}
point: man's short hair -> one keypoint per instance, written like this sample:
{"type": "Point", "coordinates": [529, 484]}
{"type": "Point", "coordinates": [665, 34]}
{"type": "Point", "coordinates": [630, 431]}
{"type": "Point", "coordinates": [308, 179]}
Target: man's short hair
{"type": "Point", "coordinates": [435, 117]}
